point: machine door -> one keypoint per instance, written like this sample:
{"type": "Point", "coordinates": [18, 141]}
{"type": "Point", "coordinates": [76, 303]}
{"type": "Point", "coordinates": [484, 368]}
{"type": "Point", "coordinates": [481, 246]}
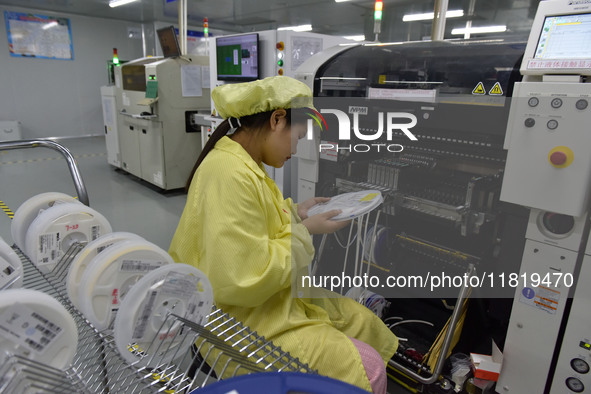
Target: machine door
{"type": "Point", "coordinates": [152, 152]}
{"type": "Point", "coordinates": [129, 145]}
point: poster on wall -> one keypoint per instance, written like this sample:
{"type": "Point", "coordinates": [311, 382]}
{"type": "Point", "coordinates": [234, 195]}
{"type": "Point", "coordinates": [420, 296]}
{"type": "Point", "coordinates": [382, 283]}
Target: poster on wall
{"type": "Point", "coordinates": [39, 36]}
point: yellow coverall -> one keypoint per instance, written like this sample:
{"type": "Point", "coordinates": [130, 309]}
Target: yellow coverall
{"type": "Point", "coordinates": [239, 230]}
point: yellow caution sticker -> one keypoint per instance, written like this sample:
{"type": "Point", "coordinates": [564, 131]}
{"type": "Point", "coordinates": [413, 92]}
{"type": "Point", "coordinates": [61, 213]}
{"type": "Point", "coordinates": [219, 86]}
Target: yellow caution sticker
{"type": "Point", "coordinates": [479, 89]}
{"type": "Point", "coordinates": [6, 210]}
{"type": "Point", "coordinates": [382, 79]}
{"type": "Point", "coordinates": [369, 197]}
{"type": "Point", "coordinates": [496, 90]}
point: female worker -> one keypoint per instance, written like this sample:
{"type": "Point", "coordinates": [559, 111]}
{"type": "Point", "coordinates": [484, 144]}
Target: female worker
{"type": "Point", "coordinates": [251, 242]}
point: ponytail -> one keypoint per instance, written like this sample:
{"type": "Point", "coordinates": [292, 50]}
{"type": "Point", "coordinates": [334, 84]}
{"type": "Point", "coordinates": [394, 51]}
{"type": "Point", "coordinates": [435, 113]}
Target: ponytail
{"type": "Point", "coordinates": [249, 122]}
{"type": "Point", "coordinates": [217, 135]}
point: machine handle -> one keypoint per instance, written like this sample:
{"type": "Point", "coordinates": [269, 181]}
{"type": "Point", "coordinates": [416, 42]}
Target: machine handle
{"type": "Point", "coordinates": [446, 341]}
{"type": "Point", "coordinates": [72, 166]}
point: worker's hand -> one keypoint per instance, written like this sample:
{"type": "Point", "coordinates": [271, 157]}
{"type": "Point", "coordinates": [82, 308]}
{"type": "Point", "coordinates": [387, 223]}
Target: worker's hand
{"type": "Point", "coordinates": [309, 203]}
{"type": "Point", "coordinates": [321, 223]}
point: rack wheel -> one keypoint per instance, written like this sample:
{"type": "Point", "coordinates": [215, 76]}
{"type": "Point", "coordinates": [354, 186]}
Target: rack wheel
{"type": "Point", "coordinates": [29, 210]}
{"type": "Point", "coordinates": [110, 275]}
{"type": "Point", "coordinates": [145, 334]}
{"type": "Point", "coordinates": [84, 257]}
{"type": "Point", "coordinates": [36, 326]}
{"type": "Point", "coordinates": [52, 232]}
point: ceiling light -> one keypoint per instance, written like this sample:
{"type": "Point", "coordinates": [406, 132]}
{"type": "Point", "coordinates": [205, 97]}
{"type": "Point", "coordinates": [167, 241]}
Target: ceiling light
{"type": "Point", "coordinates": [297, 28]}
{"type": "Point", "coordinates": [117, 3]}
{"type": "Point", "coordinates": [478, 30]}
{"type": "Point", "coordinates": [340, 1]}
{"type": "Point", "coordinates": [430, 15]}
{"type": "Point", "coordinates": [355, 38]}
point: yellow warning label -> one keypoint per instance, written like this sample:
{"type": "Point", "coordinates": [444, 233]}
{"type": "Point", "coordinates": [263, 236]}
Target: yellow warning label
{"type": "Point", "coordinates": [496, 90]}
{"type": "Point", "coordinates": [369, 197]}
{"type": "Point", "coordinates": [6, 210]}
{"type": "Point", "coordinates": [382, 79]}
{"type": "Point", "coordinates": [479, 89]}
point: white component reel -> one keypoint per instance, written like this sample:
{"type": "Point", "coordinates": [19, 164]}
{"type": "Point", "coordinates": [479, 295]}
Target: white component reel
{"type": "Point", "coordinates": [29, 210]}
{"type": "Point", "coordinates": [11, 267]}
{"type": "Point", "coordinates": [52, 233]}
{"type": "Point", "coordinates": [352, 204]}
{"type": "Point", "coordinates": [110, 275]}
{"type": "Point", "coordinates": [144, 333]}
{"type": "Point", "coordinates": [36, 326]}
{"type": "Point", "coordinates": [85, 256]}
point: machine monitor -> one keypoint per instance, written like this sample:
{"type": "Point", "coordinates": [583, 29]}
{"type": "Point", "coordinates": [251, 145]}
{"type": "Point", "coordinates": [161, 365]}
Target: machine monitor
{"type": "Point", "coordinates": [560, 39]}
{"type": "Point", "coordinates": [169, 42]}
{"type": "Point", "coordinates": [237, 57]}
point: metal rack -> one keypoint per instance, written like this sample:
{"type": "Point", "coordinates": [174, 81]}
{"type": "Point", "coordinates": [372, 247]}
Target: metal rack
{"type": "Point", "coordinates": [223, 348]}
{"type": "Point", "coordinates": [99, 368]}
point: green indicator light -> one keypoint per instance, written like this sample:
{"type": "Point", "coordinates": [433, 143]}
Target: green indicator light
{"type": "Point", "coordinates": [205, 31]}
{"type": "Point", "coordinates": [378, 15]}
{"type": "Point", "coordinates": [280, 63]}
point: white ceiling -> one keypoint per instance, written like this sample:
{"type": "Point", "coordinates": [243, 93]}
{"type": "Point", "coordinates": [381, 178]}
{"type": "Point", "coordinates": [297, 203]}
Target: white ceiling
{"type": "Point", "coordinates": [326, 16]}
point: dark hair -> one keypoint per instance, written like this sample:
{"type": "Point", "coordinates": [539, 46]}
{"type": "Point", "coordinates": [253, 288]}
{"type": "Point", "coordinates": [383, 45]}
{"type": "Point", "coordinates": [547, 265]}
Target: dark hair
{"type": "Point", "coordinates": [255, 121]}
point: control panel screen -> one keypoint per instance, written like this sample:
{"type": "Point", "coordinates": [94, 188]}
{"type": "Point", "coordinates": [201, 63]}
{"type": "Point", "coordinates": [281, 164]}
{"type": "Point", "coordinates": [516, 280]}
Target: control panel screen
{"type": "Point", "coordinates": [237, 57]}
{"type": "Point", "coordinates": [565, 37]}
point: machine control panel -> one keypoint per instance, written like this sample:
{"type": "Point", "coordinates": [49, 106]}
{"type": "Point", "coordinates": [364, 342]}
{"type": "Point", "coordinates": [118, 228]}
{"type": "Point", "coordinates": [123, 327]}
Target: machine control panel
{"type": "Point", "coordinates": [572, 370]}
{"type": "Point", "coordinates": [548, 159]}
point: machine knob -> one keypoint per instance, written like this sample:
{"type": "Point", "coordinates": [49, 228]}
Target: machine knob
{"type": "Point", "coordinates": [575, 385]}
{"type": "Point", "coordinates": [552, 124]}
{"type": "Point", "coordinates": [530, 122]}
{"type": "Point", "coordinates": [579, 365]}
{"type": "Point", "coordinates": [558, 158]}
{"type": "Point", "coordinates": [581, 104]}
{"type": "Point", "coordinates": [533, 101]}
{"type": "Point", "coordinates": [556, 103]}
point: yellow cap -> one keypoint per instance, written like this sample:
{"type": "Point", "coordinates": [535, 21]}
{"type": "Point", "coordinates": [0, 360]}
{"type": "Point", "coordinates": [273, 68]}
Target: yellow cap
{"type": "Point", "coordinates": [249, 98]}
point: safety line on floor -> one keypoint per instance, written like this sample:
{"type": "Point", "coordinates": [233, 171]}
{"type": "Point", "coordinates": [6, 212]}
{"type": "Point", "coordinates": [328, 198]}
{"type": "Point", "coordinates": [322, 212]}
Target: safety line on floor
{"type": "Point", "coordinates": [6, 210]}
{"type": "Point", "coordinates": [85, 156]}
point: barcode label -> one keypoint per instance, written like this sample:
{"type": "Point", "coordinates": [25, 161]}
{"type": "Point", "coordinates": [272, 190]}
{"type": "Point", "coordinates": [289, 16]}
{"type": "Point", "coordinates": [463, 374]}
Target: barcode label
{"type": "Point", "coordinates": [49, 248]}
{"type": "Point", "coordinates": [95, 232]}
{"type": "Point", "coordinates": [21, 325]}
{"type": "Point", "coordinates": [142, 321]}
{"type": "Point", "coordinates": [101, 248]}
{"type": "Point", "coordinates": [140, 265]}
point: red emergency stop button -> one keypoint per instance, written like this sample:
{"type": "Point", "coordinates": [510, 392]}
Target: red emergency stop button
{"type": "Point", "coordinates": [558, 158]}
{"type": "Point", "coordinates": [561, 156]}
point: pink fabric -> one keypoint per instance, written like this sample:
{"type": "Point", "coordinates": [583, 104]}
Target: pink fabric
{"type": "Point", "coordinates": [375, 368]}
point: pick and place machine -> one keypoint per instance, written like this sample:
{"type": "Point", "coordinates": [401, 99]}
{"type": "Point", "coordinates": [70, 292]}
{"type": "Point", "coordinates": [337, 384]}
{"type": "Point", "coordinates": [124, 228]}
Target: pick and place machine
{"type": "Point", "coordinates": [496, 185]}
{"type": "Point", "coordinates": [159, 106]}
{"type": "Point", "coordinates": [441, 213]}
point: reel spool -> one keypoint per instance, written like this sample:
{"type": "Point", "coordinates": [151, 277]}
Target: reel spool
{"type": "Point", "coordinates": [11, 267]}
{"type": "Point", "coordinates": [352, 204]}
{"type": "Point", "coordinates": [36, 326]}
{"type": "Point", "coordinates": [111, 274]}
{"type": "Point", "coordinates": [379, 255]}
{"type": "Point", "coordinates": [55, 229]}
{"type": "Point", "coordinates": [30, 209]}
{"type": "Point", "coordinates": [145, 334]}
{"type": "Point", "coordinates": [85, 256]}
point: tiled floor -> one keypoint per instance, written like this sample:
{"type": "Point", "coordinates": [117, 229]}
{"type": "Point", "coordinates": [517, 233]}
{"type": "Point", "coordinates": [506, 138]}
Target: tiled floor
{"type": "Point", "coordinates": [128, 203]}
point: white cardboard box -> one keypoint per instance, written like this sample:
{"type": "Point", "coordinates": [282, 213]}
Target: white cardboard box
{"type": "Point", "coordinates": [487, 367]}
